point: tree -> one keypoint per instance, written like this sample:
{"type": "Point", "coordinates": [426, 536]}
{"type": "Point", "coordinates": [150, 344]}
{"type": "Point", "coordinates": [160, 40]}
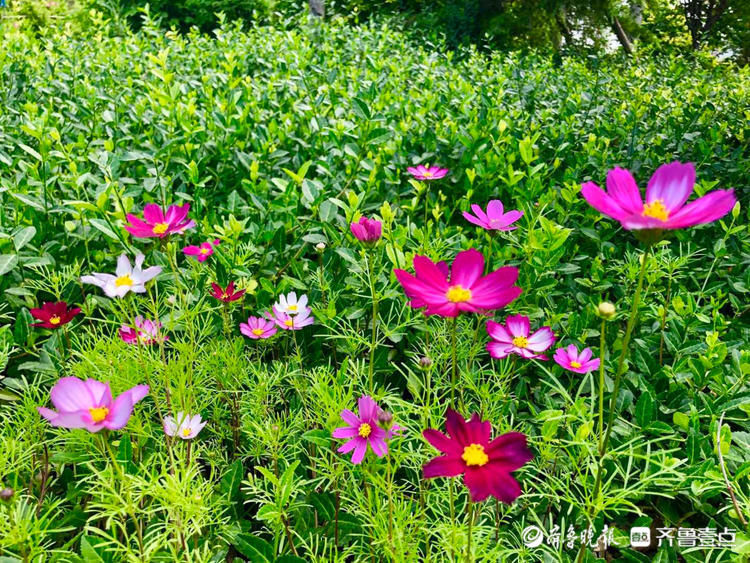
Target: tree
{"type": "Point", "coordinates": [701, 17]}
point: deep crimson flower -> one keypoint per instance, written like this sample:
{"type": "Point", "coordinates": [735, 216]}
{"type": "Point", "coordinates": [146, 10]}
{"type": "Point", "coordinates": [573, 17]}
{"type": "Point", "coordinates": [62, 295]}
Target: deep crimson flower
{"type": "Point", "coordinates": [467, 290]}
{"type": "Point", "coordinates": [156, 223]}
{"type": "Point", "coordinates": [226, 295]}
{"type": "Point", "coordinates": [54, 315]}
{"type": "Point", "coordinates": [485, 464]}
{"type": "Point", "coordinates": [367, 230]}
{"type": "Point", "coordinates": [668, 190]}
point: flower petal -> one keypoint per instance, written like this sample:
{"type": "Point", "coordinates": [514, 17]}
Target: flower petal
{"type": "Point", "coordinates": [443, 466]}
{"type": "Point", "coordinates": [622, 188]}
{"type": "Point", "coordinates": [467, 268]}
{"type": "Point", "coordinates": [599, 200]}
{"type": "Point", "coordinates": [672, 184]}
{"type": "Point", "coordinates": [706, 209]}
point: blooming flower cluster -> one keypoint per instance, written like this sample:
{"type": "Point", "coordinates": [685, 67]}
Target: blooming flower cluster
{"type": "Point", "coordinates": [364, 430]}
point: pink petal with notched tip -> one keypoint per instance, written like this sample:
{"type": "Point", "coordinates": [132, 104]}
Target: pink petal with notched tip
{"type": "Point", "coordinates": [672, 184]}
{"type": "Point", "coordinates": [622, 188]}
{"type": "Point", "coordinates": [467, 268]}
{"type": "Point", "coordinates": [710, 207]}
{"type": "Point", "coordinates": [518, 325]}
{"type": "Point", "coordinates": [498, 332]}
{"type": "Point", "coordinates": [152, 213]}
{"type": "Point", "coordinates": [70, 394]}
{"type": "Point", "coordinates": [499, 350]}
{"type": "Point", "coordinates": [541, 340]}
{"type": "Point", "coordinates": [599, 200]}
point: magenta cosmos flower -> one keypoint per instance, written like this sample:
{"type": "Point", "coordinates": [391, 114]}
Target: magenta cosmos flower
{"type": "Point", "coordinates": [466, 289]}
{"type": "Point", "coordinates": [513, 338]}
{"type": "Point", "coordinates": [146, 332]}
{"type": "Point", "coordinates": [427, 173]}
{"type": "Point", "coordinates": [258, 328]}
{"type": "Point", "coordinates": [485, 464]}
{"type": "Point", "coordinates": [570, 359]}
{"type": "Point", "coordinates": [363, 430]}
{"type": "Point", "coordinates": [201, 252]}
{"type": "Point", "coordinates": [226, 295]}
{"type": "Point", "coordinates": [494, 219]}
{"type": "Point", "coordinates": [54, 315]}
{"type": "Point", "coordinates": [185, 426]}
{"type": "Point", "coordinates": [666, 194]}
{"type": "Point", "coordinates": [285, 321]}
{"type": "Point", "coordinates": [89, 404]}
{"type": "Point", "coordinates": [156, 223]}
{"type": "Point", "coordinates": [367, 230]}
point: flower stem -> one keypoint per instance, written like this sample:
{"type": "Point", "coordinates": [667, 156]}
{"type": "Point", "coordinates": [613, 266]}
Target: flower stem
{"type": "Point", "coordinates": [454, 372]}
{"type": "Point", "coordinates": [602, 346]}
{"type": "Point", "coordinates": [374, 341]}
{"type": "Point", "coordinates": [468, 532]}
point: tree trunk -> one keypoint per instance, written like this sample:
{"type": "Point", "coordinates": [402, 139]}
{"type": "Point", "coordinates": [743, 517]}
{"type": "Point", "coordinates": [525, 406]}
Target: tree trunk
{"type": "Point", "coordinates": [562, 23]}
{"type": "Point", "coordinates": [627, 45]}
{"type": "Point", "coordinates": [317, 8]}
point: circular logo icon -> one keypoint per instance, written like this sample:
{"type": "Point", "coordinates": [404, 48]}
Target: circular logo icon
{"type": "Point", "coordinates": [532, 536]}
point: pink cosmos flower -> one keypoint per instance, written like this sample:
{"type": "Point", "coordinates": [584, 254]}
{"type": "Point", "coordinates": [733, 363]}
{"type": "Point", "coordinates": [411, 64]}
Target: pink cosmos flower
{"type": "Point", "coordinates": [367, 230]}
{"type": "Point", "coordinates": [467, 290]}
{"type": "Point", "coordinates": [485, 464]}
{"type": "Point", "coordinates": [427, 173]}
{"type": "Point", "coordinates": [570, 359]}
{"type": "Point", "coordinates": [226, 295]}
{"type": "Point", "coordinates": [155, 223]}
{"type": "Point", "coordinates": [666, 194]}
{"type": "Point", "coordinates": [146, 332]}
{"type": "Point", "coordinates": [185, 426]}
{"type": "Point", "coordinates": [494, 219]}
{"type": "Point", "coordinates": [364, 430]}
{"type": "Point", "coordinates": [258, 328]}
{"type": "Point", "coordinates": [513, 338]}
{"type": "Point", "coordinates": [54, 315]}
{"type": "Point", "coordinates": [201, 252]}
{"type": "Point", "coordinates": [89, 404]}
{"type": "Point", "coordinates": [286, 321]}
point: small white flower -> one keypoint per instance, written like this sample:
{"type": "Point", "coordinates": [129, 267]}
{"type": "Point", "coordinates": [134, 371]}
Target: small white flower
{"type": "Point", "coordinates": [185, 427]}
{"type": "Point", "coordinates": [127, 278]}
{"type": "Point", "coordinates": [290, 305]}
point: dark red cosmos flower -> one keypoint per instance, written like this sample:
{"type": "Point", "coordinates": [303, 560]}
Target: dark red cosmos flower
{"type": "Point", "coordinates": [486, 465]}
{"type": "Point", "coordinates": [54, 315]}
{"type": "Point", "coordinates": [228, 294]}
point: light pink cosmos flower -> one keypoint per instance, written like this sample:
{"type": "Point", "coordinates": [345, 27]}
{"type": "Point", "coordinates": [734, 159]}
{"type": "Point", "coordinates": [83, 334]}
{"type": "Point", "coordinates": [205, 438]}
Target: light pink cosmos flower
{"type": "Point", "coordinates": [513, 338]}
{"type": "Point", "coordinates": [127, 278]}
{"type": "Point", "coordinates": [467, 289]}
{"type": "Point", "coordinates": [427, 173]}
{"type": "Point", "coordinates": [570, 359]}
{"type": "Point", "coordinates": [667, 191]}
{"type": "Point", "coordinates": [258, 328]}
{"type": "Point", "coordinates": [146, 332]}
{"type": "Point", "coordinates": [185, 426]}
{"type": "Point", "coordinates": [289, 322]}
{"type": "Point", "coordinates": [494, 219]}
{"type": "Point", "coordinates": [363, 430]}
{"type": "Point", "coordinates": [367, 230]}
{"type": "Point", "coordinates": [156, 223]}
{"type": "Point", "coordinates": [201, 252]}
{"type": "Point", "coordinates": [89, 404]}
{"type": "Point", "coordinates": [290, 304]}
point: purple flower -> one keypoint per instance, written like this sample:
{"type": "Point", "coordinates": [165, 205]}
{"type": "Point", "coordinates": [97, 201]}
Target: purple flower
{"type": "Point", "coordinates": [156, 223]}
{"type": "Point", "coordinates": [427, 173]}
{"type": "Point", "coordinates": [286, 321]}
{"type": "Point", "coordinates": [494, 219]}
{"type": "Point", "coordinates": [367, 230]}
{"type": "Point", "coordinates": [364, 430]}
{"type": "Point", "coordinates": [513, 338]}
{"type": "Point", "coordinates": [146, 332]}
{"type": "Point", "coordinates": [666, 194]}
{"type": "Point", "coordinates": [258, 328]}
{"type": "Point", "coordinates": [570, 359]}
{"type": "Point", "coordinates": [201, 252]}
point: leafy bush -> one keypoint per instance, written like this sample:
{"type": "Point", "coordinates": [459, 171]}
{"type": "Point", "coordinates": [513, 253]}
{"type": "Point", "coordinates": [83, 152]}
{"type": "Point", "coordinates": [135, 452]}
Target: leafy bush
{"type": "Point", "coordinates": [279, 139]}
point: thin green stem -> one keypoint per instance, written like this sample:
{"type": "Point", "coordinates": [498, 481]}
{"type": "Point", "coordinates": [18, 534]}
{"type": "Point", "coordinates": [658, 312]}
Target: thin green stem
{"type": "Point", "coordinates": [602, 347]}
{"type": "Point", "coordinates": [468, 532]}
{"type": "Point", "coordinates": [374, 341]}
{"type": "Point", "coordinates": [454, 372]}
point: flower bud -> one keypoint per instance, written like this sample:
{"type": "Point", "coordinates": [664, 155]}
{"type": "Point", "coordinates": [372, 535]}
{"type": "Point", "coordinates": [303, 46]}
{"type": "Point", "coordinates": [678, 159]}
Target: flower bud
{"type": "Point", "coordinates": [6, 493]}
{"type": "Point", "coordinates": [606, 310]}
{"type": "Point", "coordinates": [385, 419]}
{"type": "Point", "coordinates": [425, 362]}
{"type": "Point", "coordinates": [320, 247]}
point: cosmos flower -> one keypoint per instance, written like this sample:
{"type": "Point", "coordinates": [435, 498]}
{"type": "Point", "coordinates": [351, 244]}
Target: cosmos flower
{"type": "Point", "coordinates": [427, 173]}
{"type": "Point", "coordinates": [146, 332]}
{"type": "Point", "coordinates": [185, 426]}
{"type": "Point", "coordinates": [127, 278]}
{"type": "Point", "coordinates": [258, 328]}
{"type": "Point", "coordinates": [467, 289]}
{"type": "Point", "coordinates": [485, 464]}
{"type": "Point", "coordinates": [201, 252]}
{"type": "Point", "coordinates": [155, 223]}
{"type": "Point", "coordinates": [367, 230]}
{"type": "Point", "coordinates": [667, 191]}
{"type": "Point", "coordinates": [226, 295]}
{"type": "Point", "coordinates": [290, 305]}
{"type": "Point", "coordinates": [513, 338]}
{"type": "Point", "coordinates": [364, 430]}
{"type": "Point", "coordinates": [89, 404]}
{"type": "Point", "coordinates": [289, 322]}
{"type": "Point", "coordinates": [570, 359]}
{"type": "Point", "coordinates": [54, 315]}
{"type": "Point", "coordinates": [494, 219]}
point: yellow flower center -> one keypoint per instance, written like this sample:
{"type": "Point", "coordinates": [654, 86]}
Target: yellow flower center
{"type": "Point", "coordinates": [123, 280]}
{"type": "Point", "coordinates": [224, 295]}
{"type": "Point", "coordinates": [99, 413]}
{"type": "Point", "coordinates": [160, 228]}
{"type": "Point", "coordinates": [656, 210]}
{"type": "Point", "coordinates": [186, 432]}
{"type": "Point", "coordinates": [520, 342]}
{"type": "Point", "coordinates": [365, 430]}
{"type": "Point", "coordinates": [576, 365]}
{"type": "Point", "coordinates": [427, 174]}
{"type": "Point", "coordinates": [257, 331]}
{"type": "Point", "coordinates": [205, 251]}
{"type": "Point", "coordinates": [289, 322]}
{"type": "Point", "coordinates": [54, 320]}
{"type": "Point", "coordinates": [458, 294]}
{"type": "Point", "coordinates": [292, 307]}
{"type": "Point", "coordinates": [474, 455]}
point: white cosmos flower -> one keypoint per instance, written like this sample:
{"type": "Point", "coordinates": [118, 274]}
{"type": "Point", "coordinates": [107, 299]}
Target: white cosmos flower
{"type": "Point", "coordinates": [290, 305]}
{"type": "Point", "coordinates": [127, 278]}
{"type": "Point", "coordinates": [186, 427]}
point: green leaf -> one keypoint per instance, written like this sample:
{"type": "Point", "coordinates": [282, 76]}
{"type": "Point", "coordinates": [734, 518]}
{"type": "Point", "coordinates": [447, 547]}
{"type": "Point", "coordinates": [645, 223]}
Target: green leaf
{"type": "Point", "coordinates": [361, 109]}
{"type": "Point", "coordinates": [23, 237]}
{"type": "Point", "coordinates": [318, 437]}
{"type": "Point", "coordinates": [230, 481]}
{"type": "Point", "coordinates": [257, 549]}
{"type": "Point", "coordinates": [103, 227]}
{"type": "Point", "coordinates": [7, 263]}
{"type": "Point", "coordinates": [645, 409]}
{"type": "Point", "coordinates": [290, 559]}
